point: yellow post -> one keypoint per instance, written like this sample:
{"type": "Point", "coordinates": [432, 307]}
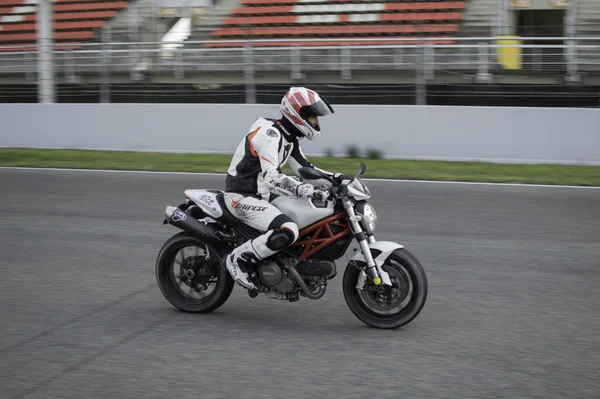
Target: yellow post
{"type": "Point", "coordinates": [509, 57]}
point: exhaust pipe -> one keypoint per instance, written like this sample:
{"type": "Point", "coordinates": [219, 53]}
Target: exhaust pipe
{"type": "Point", "coordinates": [298, 279]}
{"type": "Point", "coordinates": [180, 219]}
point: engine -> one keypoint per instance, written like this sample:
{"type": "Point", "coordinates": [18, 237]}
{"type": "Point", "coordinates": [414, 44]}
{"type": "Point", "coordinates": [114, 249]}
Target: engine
{"type": "Point", "coordinates": [274, 278]}
{"type": "Point", "coordinates": [315, 273]}
{"type": "Point", "coordinates": [318, 267]}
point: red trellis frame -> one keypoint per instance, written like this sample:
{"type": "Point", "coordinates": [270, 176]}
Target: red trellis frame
{"type": "Point", "coordinates": [314, 244]}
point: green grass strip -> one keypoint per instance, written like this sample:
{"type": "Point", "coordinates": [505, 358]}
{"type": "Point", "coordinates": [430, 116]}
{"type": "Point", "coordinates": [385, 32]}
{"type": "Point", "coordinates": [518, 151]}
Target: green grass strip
{"type": "Point", "coordinates": [579, 175]}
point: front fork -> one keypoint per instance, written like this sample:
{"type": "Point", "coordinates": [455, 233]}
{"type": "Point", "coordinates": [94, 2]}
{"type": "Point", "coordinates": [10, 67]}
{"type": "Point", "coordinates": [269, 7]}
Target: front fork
{"type": "Point", "coordinates": [377, 274]}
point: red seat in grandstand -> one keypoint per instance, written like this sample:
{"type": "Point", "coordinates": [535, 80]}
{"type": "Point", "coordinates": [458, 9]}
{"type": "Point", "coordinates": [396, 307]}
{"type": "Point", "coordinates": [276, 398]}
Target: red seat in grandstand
{"type": "Point", "coordinates": [340, 19]}
{"type": "Point", "coordinates": [73, 21]}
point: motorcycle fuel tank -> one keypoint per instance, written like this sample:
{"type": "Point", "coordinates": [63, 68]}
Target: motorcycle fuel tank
{"type": "Point", "coordinates": [303, 213]}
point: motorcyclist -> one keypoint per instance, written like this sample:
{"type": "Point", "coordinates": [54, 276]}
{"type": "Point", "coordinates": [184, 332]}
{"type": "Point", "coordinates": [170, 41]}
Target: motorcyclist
{"type": "Point", "coordinates": [254, 175]}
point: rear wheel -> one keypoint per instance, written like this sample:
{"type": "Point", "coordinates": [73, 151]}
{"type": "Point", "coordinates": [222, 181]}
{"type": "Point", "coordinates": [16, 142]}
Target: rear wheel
{"type": "Point", "coordinates": [383, 306]}
{"type": "Point", "coordinates": [189, 275]}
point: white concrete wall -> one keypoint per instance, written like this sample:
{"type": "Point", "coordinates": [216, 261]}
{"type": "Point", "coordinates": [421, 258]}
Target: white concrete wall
{"type": "Point", "coordinates": [558, 135]}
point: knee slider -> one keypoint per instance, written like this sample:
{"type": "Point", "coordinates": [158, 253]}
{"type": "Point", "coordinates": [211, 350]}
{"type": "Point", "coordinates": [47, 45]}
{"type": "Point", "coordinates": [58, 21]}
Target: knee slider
{"type": "Point", "coordinates": [283, 236]}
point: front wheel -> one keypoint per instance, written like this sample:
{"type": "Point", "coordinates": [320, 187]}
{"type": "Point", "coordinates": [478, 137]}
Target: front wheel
{"type": "Point", "coordinates": [189, 275]}
{"type": "Point", "coordinates": [383, 306]}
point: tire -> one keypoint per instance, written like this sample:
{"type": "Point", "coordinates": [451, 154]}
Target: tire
{"type": "Point", "coordinates": [171, 289]}
{"type": "Point", "coordinates": [413, 271]}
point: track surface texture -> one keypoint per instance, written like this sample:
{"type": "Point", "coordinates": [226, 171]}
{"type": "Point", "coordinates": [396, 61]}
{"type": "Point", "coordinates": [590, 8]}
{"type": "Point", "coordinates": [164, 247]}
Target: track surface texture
{"type": "Point", "coordinates": [514, 277]}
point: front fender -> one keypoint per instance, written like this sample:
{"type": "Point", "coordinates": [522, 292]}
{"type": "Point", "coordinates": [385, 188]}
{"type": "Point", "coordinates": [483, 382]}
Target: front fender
{"type": "Point", "coordinates": [381, 250]}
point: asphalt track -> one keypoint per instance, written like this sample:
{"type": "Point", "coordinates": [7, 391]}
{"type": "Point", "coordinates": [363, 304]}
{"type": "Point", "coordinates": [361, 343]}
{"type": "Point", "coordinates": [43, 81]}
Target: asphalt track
{"type": "Point", "coordinates": [514, 277]}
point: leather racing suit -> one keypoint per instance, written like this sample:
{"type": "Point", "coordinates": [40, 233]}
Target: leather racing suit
{"type": "Point", "coordinates": [253, 176]}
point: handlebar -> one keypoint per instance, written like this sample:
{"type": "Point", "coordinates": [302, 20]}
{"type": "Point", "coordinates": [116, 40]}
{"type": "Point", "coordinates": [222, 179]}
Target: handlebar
{"type": "Point", "coordinates": [335, 191]}
{"type": "Point", "coordinates": [338, 192]}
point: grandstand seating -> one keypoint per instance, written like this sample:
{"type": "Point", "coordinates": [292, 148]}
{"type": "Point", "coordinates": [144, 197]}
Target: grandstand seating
{"type": "Point", "coordinates": [339, 19]}
{"type": "Point", "coordinates": [78, 21]}
{"type": "Point", "coordinates": [74, 21]}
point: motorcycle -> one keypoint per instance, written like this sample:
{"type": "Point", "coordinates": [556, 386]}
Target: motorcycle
{"type": "Point", "coordinates": [384, 285]}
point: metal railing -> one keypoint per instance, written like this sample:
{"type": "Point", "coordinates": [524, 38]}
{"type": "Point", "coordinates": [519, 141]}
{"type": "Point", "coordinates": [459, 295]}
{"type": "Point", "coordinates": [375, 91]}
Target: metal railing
{"type": "Point", "coordinates": [479, 58]}
{"type": "Point", "coordinates": [569, 55]}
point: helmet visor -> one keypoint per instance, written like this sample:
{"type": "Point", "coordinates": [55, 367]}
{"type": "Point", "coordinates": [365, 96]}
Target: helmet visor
{"type": "Point", "coordinates": [320, 108]}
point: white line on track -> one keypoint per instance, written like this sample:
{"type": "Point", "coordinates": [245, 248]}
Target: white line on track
{"type": "Point", "coordinates": [366, 179]}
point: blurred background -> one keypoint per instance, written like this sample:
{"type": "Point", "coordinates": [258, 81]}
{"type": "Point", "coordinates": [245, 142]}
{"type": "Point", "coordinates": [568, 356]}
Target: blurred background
{"type": "Point", "coordinates": [513, 271]}
{"type": "Point", "coordinates": [426, 52]}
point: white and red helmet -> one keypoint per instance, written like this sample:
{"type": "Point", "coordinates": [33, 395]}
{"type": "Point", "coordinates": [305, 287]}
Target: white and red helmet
{"type": "Point", "coordinates": [300, 103]}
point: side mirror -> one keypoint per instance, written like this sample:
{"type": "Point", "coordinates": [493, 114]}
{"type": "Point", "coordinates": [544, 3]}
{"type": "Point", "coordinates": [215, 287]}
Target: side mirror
{"type": "Point", "coordinates": [362, 169]}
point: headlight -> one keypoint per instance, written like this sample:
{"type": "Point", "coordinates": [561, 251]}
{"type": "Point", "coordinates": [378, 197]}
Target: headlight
{"type": "Point", "coordinates": [368, 213]}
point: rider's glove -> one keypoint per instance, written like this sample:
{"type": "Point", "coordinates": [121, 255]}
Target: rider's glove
{"type": "Point", "coordinates": [305, 191]}
{"type": "Point", "coordinates": [321, 195]}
